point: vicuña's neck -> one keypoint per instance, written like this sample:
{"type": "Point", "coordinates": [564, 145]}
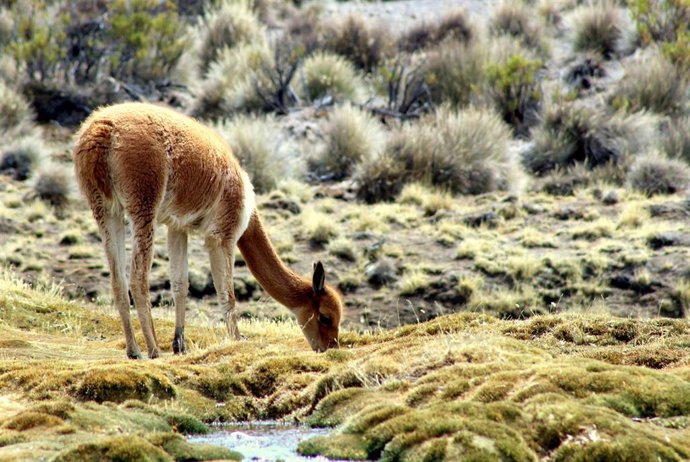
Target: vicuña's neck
{"type": "Point", "coordinates": [263, 261]}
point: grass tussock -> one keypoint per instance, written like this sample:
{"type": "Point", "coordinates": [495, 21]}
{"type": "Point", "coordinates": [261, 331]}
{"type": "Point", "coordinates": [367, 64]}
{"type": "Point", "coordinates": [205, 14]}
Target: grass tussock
{"type": "Point", "coordinates": [454, 72]}
{"type": "Point", "coordinates": [463, 152]}
{"type": "Point", "coordinates": [454, 25]}
{"type": "Point", "coordinates": [54, 184]}
{"type": "Point", "coordinates": [328, 74]}
{"type": "Point", "coordinates": [572, 133]}
{"type": "Point", "coordinates": [601, 27]}
{"type": "Point", "coordinates": [656, 174]}
{"type": "Point", "coordinates": [518, 20]}
{"type": "Point", "coordinates": [365, 45]}
{"type": "Point", "coordinates": [21, 158]}
{"type": "Point", "coordinates": [352, 136]}
{"type": "Point", "coordinates": [228, 25]}
{"type": "Point", "coordinates": [264, 151]}
{"type": "Point", "coordinates": [230, 85]}
{"type": "Point", "coordinates": [16, 115]}
{"type": "Point", "coordinates": [651, 83]}
{"type": "Point", "coordinates": [675, 141]}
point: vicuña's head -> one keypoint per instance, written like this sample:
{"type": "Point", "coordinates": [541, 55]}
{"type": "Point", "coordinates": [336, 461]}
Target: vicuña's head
{"type": "Point", "coordinates": [320, 319]}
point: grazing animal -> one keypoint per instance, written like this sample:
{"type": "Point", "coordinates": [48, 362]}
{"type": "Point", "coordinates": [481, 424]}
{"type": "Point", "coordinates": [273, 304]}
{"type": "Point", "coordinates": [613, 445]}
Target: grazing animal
{"type": "Point", "coordinates": [156, 165]}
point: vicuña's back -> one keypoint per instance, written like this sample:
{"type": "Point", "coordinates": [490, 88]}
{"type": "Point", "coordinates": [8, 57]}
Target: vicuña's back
{"type": "Point", "coordinates": [156, 165]}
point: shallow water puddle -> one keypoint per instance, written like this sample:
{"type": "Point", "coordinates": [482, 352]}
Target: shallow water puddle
{"type": "Point", "coordinates": [264, 441]}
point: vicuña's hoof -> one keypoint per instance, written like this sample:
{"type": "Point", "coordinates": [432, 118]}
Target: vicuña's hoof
{"type": "Point", "coordinates": [134, 355]}
{"type": "Point", "coordinates": [154, 354]}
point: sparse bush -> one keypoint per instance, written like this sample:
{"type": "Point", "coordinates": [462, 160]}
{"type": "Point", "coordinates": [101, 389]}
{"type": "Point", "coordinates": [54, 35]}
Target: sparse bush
{"type": "Point", "coordinates": [601, 27]}
{"type": "Point", "coordinates": [517, 19]}
{"type": "Point", "coordinates": [676, 139]}
{"type": "Point", "coordinates": [328, 74]}
{"type": "Point", "coordinates": [229, 25]}
{"type": "Point", "coordinates": [651, 83]}
{"type": "Point", "coordinates": [515, 91]}
{"type": "Point", "coordinates": [21, 158]}
{"type": "Point", "coordinates": [365, 45]}
{"type": "Point", "coordinates": [53, 185]}
{"type": "Point", "coordinates": [454, 72]}
{"type": "Point", "coordinates": [262, 149]}
{"type": "Point", "coordinates": [656, 174]}
{"type": "Point", "coordinates": [454, 25]}
{"type": "Point", "coordinates": [352, 136]}
{"type": "Point", "coordinates": [571, 133]}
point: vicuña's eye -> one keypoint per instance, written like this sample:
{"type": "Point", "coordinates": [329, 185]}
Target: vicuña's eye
{"type": "Point", "coordinates": [325, 321]}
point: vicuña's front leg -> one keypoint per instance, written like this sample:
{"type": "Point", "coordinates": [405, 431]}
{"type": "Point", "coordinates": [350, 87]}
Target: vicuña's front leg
{"type": "Point", "coordinates": [142, 255]}
{"type": "Point", "coordinates": [179, 282]}
{"type": "Point", "coordinates": [222, 257]}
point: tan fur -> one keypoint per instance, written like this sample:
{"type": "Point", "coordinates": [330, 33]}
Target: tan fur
{"type": "Point", "coordinates": [155, 165]}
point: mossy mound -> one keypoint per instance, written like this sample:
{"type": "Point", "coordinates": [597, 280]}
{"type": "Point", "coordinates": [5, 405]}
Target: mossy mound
{"type": "Point", "coordinates": [115, 449]}
{"type": "Point", "coordinates": [119, 383]}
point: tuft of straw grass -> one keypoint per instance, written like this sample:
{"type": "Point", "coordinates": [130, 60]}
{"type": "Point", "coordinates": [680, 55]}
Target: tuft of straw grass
{"type": "Point", "coordinates": [328, 74]}
{"type": "Point", "coordinates": [264, 151]}
{"type": "Point", "coordinates": [601, 27]}
{"type": "Point", "coordinates": [656, 174]}
{"type": "Point", "coordinates": [651, 83]}
{"type": "Point", "coordinates": [352, 136]}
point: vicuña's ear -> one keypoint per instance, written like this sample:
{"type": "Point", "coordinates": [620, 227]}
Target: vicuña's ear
{"type": "Point", "coordinates": [319, 278]}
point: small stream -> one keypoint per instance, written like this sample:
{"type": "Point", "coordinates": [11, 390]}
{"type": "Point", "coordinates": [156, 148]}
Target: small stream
{"type": "Point", "coordinates": [264, 441]}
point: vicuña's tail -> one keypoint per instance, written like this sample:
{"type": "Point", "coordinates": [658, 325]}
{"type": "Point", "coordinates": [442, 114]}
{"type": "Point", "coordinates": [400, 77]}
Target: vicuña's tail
{"type": "Point", "coordinates": [91, 148]}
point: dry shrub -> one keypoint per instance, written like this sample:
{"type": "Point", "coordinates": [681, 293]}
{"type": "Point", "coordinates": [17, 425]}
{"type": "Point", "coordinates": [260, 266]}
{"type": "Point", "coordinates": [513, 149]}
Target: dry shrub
{"type": "Point", "coordinates": [230, 24]}
{"type": "Point", "coordinates": [352, 136]}
{"type": "Point", "coordinates": [571, 133]}
{"type": "Point", "coordinates": [454, 25]}
{"type": "Point", "coordinates": [364, 44]}
{"type": "Point", "coordinates": [464, 152]}
{"type": "Point", "coordinates": [652, 83]}
{"type": "Point", "coordinates": [656, 174]}
{"type": "Point", "coordinates": [263, 150]}
{"type": "Point", "coordinates": [53, 184]}
{"type": "Point", "coordinates": [676, 139]}
{"type": "Point", "coordinates": [517, 19]}
{"type": "Point", "coordinates": [328, 74]}
{"type": "Point", "coordinates": [601, 27]}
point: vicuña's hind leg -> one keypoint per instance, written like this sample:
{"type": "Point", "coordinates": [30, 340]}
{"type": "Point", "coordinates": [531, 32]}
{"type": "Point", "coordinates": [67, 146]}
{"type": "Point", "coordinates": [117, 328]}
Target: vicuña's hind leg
{"type": "Point", "coordinates": [113, 231]}
{"type": "Point", "coordinates": [142, 256]}
{"type": "Point", "coordinates": [222, 258]}
{"type": "Point", "coordinates": [179, 282]}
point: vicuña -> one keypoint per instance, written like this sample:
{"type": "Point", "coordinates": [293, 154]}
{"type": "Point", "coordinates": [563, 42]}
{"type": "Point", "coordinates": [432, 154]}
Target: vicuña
{"type": "Point", "coordinates": [155, 165]}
